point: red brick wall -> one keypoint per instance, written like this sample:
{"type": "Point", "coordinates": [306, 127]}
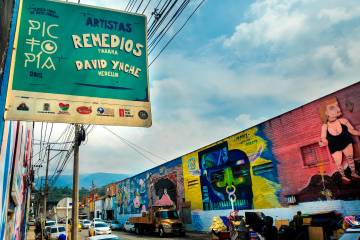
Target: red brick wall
{"type": "Point", "coordinates": [300, 127]}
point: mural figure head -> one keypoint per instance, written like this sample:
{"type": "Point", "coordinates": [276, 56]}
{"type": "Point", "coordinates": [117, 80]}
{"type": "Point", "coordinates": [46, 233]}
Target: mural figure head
{"type": "Point", "coordinates": [330, 110]}
{"type": "Point", "coordinates": [165, 191]}
{"type": "Point", "coordinates": [336, 133]}
{"type": "Point", "coordinates": [225, 177]}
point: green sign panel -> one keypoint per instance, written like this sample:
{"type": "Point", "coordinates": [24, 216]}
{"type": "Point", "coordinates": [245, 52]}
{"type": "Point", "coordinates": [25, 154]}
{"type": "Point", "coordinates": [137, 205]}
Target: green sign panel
{"type": "Point", "coordinates": [81, 57]}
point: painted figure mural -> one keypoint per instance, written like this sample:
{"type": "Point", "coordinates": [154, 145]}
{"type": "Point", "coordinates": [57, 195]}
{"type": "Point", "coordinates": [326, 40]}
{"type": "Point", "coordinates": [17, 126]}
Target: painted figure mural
{"type": "Point", "coordinates": [162, 185]}
{"type": "Point", "coordinates": [238, 172]}
{"type": "Point", "coordinates": [292, 158]}
{"type": "Point", "coordinates": [225, 178]}
{"type": "Point", "coordinates": [336, 133]}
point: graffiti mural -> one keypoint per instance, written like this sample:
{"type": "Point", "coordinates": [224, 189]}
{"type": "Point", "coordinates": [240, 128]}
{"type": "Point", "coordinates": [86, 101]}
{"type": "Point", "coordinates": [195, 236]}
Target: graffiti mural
{"type": "Point", "coordinates": [162, 185]}
{"type": "Point", "coordinates": [238, 172]}
{"type": "Point", "coordinates": [310, 153]}
{"type": "Point", "coordinates": [225, 178]}
{"type": "Point", "coordinates": [301, 154]}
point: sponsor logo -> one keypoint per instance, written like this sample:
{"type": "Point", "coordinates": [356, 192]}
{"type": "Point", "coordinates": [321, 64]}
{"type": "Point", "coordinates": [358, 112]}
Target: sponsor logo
{"type": "Point", "coordinates": [122, 112]}
{"type": "Point", "coordinates": [143, 114]}
{"type": "Point", "coordinates": [22, 107]}
{"type": "Point", "coordinates": [46, 109]}
{"type": "Point", "coordinates": [84, 110]}
{"type": "Point", "coordinates": [64, 106]}
{"type": "Point", "coordinates": [125, 112]}
{"type": "Point", "coordinates": [101, 111]}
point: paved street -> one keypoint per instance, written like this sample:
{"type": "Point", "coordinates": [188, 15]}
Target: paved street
{"type": "Point", "coordinates": [83, 235]}
{"type": "Point", "coordinates": [131, 236]}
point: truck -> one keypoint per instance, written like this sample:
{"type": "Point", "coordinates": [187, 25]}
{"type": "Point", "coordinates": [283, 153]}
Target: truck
{"type": "Point", "coordinates": [161, 219]}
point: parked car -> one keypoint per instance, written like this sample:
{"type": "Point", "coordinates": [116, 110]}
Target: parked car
{"type": "Point", "coordinates": [31, 222]}
{"type": "Point", "coordinates": [99, 228]}
{"type": "Point", "coordinates": [129, 227]}
{"type": "Point", "coordinates": [50, 223]}
{"type": "Point", "coordinates": [55, 231]}
{"type": "Point", "coordinates": [85, 224]}
{"type": "Point", "coordinates": [115, 225]}
{"type": "Point", "coordinates": [97, 220]}
{"type": "Point", "coordinates": [47, 232]}
{"type": "Point", "coordinates": [351, 234]}
{"type": "Point", "coordinates": [105, 237]}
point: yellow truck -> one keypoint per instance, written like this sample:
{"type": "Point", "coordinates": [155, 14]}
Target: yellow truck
{"type": "Point", "coordinates": [161, 219]}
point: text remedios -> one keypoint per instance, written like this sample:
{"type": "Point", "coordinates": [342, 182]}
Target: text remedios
{"type": "Point", "coordinates": [105, 40]}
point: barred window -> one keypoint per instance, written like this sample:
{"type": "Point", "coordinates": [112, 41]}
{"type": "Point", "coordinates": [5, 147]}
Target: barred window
{"type": "Point", "coordinates": [313, 154]}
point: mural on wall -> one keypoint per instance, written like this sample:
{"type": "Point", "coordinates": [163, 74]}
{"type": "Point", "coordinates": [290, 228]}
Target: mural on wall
{"type": "Point", "coordinates": [336, 133]}
{"type": "Point", "coordinates": [123, 197]}
{"type": "Point", "coordinates": [338, 172]}
{"type": "Point", "coordinates": [300, 154]}
{"type": "Point", "coordinates": [162, 185]}
{"type": "Point", "coordinates": [307, 154]}
{"type": "Point", "coordinates": [239, 171]}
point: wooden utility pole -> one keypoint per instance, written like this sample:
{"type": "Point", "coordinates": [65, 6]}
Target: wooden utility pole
{"type": "Point", "coordinates": [75, 195]}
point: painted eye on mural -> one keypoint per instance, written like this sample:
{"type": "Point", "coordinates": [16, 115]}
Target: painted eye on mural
{"type": "Point", "coordinates": [217, 176]}
{"type": "Point", "coordinates": [239, 171]}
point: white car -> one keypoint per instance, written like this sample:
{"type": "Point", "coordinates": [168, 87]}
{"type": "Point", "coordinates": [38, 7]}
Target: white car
{"type": "Point", "coordinates": [105, 237]}
{"type": "Point", "coordinates": [351, 234]}
{"type": "Point", "coordinates": [97, 220]}
{"type": "Point", "coordinates": [85, 224]}
{"type": "Point", "coordinates": [99, 228]}
{"type": "Point", "coordinates": [129, 227]}
{"type": "Point", "coordinates": [55, 232]}
{"type": "Point", "coordinates": [50, 223]}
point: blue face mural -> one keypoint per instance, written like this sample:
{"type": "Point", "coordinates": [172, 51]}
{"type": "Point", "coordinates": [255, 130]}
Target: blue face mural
{"type": "Point", "coordinates": [225, 177]}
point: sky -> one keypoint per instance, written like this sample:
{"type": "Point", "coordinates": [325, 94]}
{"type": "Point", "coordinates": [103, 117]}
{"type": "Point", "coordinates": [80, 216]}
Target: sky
{"type": "Point", "coordinates": [234, 65]}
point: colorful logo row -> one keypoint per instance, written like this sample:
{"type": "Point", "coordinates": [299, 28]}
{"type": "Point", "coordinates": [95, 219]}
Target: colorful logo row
{"type": "Point", "coordinates": [85, 110]}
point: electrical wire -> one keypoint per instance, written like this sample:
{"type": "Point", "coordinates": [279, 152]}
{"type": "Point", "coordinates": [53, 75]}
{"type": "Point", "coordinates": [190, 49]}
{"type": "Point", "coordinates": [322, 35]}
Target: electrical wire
{"type": "Point", "coordinates": [136, 147]}
{"type": "Point", "coordinates": [177, 32]}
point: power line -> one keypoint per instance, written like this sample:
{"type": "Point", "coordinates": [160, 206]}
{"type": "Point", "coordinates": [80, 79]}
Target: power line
{"type": "Point", "coordinates": [173, 19]}
{"type": "Point", "coordinates": [172, 38]}
{"type": "Point", "coordinates": [146, 6]}
{"type": "Point", "coordinates": [133, 146]}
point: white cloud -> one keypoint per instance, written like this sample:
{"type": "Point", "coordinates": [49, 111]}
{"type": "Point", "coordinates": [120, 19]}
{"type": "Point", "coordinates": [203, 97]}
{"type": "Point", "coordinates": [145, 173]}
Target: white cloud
{"type": "Point", "coordinates": [338, 14]}
{"type": "Point", "coordinates": [274, 22]}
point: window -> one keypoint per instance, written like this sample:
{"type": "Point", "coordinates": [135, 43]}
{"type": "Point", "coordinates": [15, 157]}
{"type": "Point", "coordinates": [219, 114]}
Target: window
{"type": "Point", "coordinates": [169, 215]}
{"type": "Point", "coordinates": [313, 154]}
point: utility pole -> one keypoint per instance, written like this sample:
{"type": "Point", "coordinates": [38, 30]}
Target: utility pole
{"type": "Point", "coordinates": [75, 195]}
{"type": "Point", "coordinates": [46, 180]}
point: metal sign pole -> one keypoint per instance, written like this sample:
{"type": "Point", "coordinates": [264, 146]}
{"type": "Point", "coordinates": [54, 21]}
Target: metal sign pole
{"type": "Point", "coordinates": [75, 195]}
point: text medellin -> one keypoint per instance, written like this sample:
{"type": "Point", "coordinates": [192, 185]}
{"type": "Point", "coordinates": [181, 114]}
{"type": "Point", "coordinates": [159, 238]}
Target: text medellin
{"type": "Point", "coordinates": [108, 24]}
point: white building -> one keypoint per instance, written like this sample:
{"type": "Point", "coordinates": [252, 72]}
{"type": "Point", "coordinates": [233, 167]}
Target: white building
{"type": "Point", "coordinates": [99, 208]}
{"type": "Point", "coordinates": [61, 207]}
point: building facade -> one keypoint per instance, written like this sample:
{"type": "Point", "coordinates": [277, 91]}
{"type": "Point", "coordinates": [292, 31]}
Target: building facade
{"type": "Point", "coordinates": [282, 165]}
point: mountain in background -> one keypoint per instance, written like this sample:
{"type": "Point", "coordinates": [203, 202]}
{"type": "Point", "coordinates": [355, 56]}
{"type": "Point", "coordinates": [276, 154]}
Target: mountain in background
{"type": "Point", "coordinates": [85, 180]}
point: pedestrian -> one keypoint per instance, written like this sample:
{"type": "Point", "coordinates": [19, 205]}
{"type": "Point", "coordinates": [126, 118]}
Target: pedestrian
{"type": "Point", "coordinates": [298, 221]}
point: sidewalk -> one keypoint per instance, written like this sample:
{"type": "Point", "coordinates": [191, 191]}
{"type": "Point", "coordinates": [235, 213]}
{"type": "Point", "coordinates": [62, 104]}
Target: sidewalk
{"type": "Point", "coordinates": [30, 235]}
